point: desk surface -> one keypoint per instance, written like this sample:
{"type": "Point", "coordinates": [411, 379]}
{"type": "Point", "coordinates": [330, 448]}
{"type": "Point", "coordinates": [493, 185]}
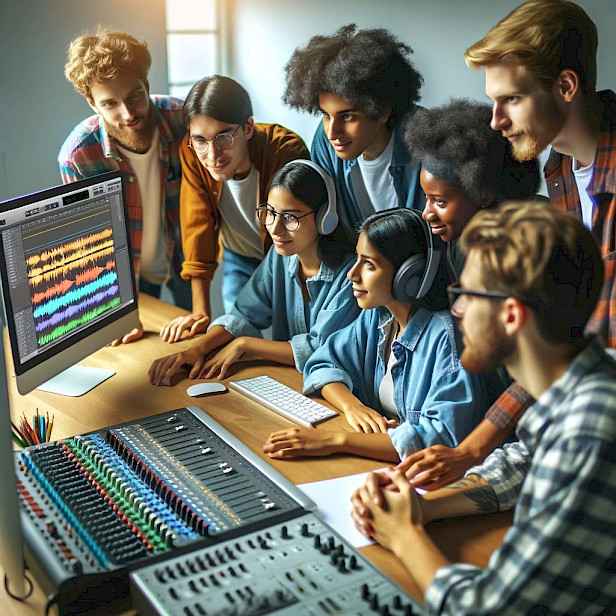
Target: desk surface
{"type": "Point", "coordinates": [128, 396]}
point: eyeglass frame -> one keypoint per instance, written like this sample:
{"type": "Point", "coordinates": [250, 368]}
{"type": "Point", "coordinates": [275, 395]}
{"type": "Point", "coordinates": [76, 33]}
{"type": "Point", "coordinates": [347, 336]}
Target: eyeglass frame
{"type": "Point", "coordinates": [213, 140]}
{"type": "Point", "coordinates": [266, 207]}
{"type": "Point", "coordinates": [454, 289]}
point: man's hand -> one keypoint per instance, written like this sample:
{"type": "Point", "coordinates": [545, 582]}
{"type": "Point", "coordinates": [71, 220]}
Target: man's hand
{"type": "Point", "coordinates": [300, 442]}
{"type": "Point", "coordinates": [436, 466]}
{"type": "Point", "coordinates": [182, 328]}
{"type": "Point", "coordinates": [132, 335]}
{"type": "Point", "coordinates": [364, 419]}
{"type": "Point", "coordinates": [217, 366]}
{"type": "Point", "coordinates": [166, 367]}
{"type": "Point", "coordinates": [374, 485]}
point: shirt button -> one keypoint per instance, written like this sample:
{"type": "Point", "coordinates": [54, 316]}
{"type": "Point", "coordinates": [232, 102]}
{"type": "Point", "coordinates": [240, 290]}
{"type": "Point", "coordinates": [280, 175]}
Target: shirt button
{"type": "Point", "coordinates": [215, 192]}
{"type": "Point", "coordinates": [555, 184]}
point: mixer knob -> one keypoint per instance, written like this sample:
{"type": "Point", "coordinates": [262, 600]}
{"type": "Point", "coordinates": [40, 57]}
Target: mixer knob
{"type": "Point", "coordinates": [284, 533]}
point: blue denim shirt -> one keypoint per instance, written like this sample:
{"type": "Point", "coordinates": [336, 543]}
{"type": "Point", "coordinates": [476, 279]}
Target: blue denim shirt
{"type": "Point", "coordinates": [437, 400]}
{"type": "Point", "coordinates": [273, 297]}
{"type": "Point", "coordinates": [404, 172]}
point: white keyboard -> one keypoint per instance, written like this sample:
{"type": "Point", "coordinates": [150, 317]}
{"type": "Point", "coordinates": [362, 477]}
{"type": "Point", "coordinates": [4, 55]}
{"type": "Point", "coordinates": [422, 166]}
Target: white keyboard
{"type": "Point", "coordinates": [283, 400]}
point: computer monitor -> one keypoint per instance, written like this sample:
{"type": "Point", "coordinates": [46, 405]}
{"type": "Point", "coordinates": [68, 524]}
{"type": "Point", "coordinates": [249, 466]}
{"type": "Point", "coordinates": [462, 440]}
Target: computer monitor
{"type": "Point", "coordinates": [67, 282]}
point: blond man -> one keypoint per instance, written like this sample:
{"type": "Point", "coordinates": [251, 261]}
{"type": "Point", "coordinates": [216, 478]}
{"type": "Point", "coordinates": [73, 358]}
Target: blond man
{"type": "Point", "coordinates": [138, 134]}
{"type": "Point", "coordinates": [531, 280]}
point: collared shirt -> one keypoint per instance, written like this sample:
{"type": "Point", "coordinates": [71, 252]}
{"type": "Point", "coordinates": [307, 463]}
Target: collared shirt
{"type": "Point", "coordinates": [564, 194]}
{"type": "Point", "coordinates": [437, 400]}
{"type": "Point", "coordinates": [404, 172]}
{"type": "Point", "coordinates": [559, 557]}
{"type": "Point", "coordinates": [273, 297]}
{"type": "Point", "coordinates": [89, 150]}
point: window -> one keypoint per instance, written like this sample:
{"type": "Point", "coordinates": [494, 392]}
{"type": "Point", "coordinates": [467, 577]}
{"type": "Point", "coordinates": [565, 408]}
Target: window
{"type": "Point", "coordinates": [193, 42]}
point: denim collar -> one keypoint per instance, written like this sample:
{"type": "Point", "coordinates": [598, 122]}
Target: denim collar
{"type": "Point", "coordinates": [325, 272]}
{"type": "Point", "coordinates": [412, 332]}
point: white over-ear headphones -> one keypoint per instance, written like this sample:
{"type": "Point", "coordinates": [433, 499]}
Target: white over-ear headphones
{"type": "Point", "coordinates": [326, 218]}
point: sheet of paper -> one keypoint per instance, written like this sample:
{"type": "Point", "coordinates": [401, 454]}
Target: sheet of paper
{"type": "Point", "coordinates": [332, 497]}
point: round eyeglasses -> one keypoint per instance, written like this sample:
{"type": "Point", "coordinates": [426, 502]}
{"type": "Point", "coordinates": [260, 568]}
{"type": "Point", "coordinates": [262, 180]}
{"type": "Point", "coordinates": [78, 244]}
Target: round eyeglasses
{"type": "Point", "coordinates": [222, 141]}
{"type": "Point", "coordinates": [267, 215]}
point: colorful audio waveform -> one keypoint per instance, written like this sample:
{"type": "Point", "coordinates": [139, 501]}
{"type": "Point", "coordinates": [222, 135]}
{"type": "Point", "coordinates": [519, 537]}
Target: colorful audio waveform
{"type": "Point", "coordinates": [72, 283]}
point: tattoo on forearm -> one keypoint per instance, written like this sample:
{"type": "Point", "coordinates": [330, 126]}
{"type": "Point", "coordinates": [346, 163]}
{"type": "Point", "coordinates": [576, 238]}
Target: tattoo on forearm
{"type": "Point", "coordinates": [476, 489]}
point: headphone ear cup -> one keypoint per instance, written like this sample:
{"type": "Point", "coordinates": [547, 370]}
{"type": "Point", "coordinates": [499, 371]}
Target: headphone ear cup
{"type": "Point", "coordinates": [408, 278]}
{"type": "Point", "coordinates": [327, 221]}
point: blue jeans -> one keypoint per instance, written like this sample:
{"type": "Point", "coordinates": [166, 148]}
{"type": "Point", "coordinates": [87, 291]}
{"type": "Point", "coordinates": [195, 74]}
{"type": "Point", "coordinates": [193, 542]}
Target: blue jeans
{"type": "Point", "coordinates": [180, 289]}
{"type": "Point", "coordinates": [238, 269]}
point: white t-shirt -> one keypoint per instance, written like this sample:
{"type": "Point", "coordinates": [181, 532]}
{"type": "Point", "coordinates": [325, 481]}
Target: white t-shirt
{"type": "Point", "coordinates": [583, 176]}
{"type": "Point", "coordinates": [386, 388]}
{"type": "Point", "coordinates": [154, 265]}
{"type": "Point", "coordinates": [373, 184]}
{"type": "Point", "coordinates": [238, 207]}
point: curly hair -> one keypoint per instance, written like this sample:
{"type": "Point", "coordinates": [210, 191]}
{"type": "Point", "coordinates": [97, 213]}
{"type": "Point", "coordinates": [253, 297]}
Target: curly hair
{"type": "Point", "coordinates": [103, 55]}
{"type": "Point", "coordinates": [544, 257]}
{"type": "Point", "coordinates": [455, 143]}
{"type": "Point", "coordinates": [368, 68]}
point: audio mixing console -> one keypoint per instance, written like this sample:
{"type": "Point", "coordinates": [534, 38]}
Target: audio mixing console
{"type": "Point", "coordinates": [94, 506]}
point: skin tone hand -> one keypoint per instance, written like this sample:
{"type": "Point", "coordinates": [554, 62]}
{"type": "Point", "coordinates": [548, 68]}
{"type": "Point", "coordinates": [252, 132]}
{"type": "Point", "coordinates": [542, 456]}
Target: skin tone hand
{"type": "Point", "coordinates": [166, 367]}
{"type": "Point", "coordinates": [364, 419]}
{"type": "Point", "coordinates": [372, 489]}
{"type": "Point", "coordinates": [300, 442]}
{"type": "Point", "coordinates": [182, 328]}
{"type": "Point", "coordinates": [436, 466]}
{"type": "Point", "coordinates": [217, 366]}
{"type": "Point", "coordinates": [132, 335]}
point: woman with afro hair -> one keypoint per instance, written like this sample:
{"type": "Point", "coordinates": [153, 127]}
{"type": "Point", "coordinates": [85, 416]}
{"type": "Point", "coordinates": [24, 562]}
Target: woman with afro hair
{"type": "Point", "coordinates": [465, 166]}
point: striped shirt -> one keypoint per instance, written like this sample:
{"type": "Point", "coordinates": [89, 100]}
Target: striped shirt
{"type": "Point", "coordinates": [559, 557]}
{"type": "Point", "coordinates": [89, 150]}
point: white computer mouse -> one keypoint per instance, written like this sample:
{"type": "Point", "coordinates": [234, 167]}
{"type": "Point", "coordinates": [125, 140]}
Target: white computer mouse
{"type": "Point", "coordinates": [200, 389]}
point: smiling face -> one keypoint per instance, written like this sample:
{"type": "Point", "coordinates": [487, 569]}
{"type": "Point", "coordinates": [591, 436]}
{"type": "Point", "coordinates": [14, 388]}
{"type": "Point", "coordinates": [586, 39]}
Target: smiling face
{"type": "Point", "coordinates": [372, 276]}
{"type": "Point", "coordinates": [124, 105]}
{"type": "Point", "coordinates": [524, 111]}
{"type": "Point", "coordinates": [223, 165]}
{"type": "Point", "coordinates": [447, 208]}
{"type": "Point", "coordinates": [304, 241]}
{"type": "Point", "coordinates": [350, 131]}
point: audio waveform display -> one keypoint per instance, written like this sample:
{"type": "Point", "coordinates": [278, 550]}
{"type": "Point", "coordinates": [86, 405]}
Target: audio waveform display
{"type": "Point", "coordinates": [72, 276]}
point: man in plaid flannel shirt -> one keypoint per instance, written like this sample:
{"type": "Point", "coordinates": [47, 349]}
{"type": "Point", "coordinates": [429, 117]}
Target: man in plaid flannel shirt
{"type": "Point", "coordinates": [530, 283]}
{"type": "Point", "coordinates": [140, 135]}
{"type": "Point", "coordinates": [540, 64]}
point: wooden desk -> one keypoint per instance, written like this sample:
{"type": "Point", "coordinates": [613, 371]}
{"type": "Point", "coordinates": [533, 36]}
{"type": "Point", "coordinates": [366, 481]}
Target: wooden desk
{"type": "Point", "coordinates": [128, 396]}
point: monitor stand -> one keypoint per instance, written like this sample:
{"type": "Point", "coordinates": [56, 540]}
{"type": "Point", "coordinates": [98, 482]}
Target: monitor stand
{"type": "Point", "coordinates": [76, 380]}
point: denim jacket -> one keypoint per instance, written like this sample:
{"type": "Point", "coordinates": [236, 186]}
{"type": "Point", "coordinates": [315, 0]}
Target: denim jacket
{"type": "Point", "coordinates": [437, 400]}
{"type": "Point", "coordinates": [273, 297]}
{"type": "Point", "coordinates": [404, 172]}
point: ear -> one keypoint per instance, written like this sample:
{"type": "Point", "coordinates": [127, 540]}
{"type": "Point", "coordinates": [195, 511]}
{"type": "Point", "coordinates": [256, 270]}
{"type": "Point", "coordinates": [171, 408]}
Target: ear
{"type": "Point", "coordinates": [249, 127]}
{"type": "Point", "coordinates": [146, 83]}
{"type": "Point", "coordinates": [90, 102]}
{"type": "Point", "coordinates": [514, 315]}
{"type": "Point", "coordinates": [568, 85]}
{"type": "Point", "coordinates": [384, 117]}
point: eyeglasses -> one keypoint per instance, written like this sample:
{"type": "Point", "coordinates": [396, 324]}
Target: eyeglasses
{"type": "Point", "coordinates": [222, 141]}
{"type": "Point", "coordinates": [267, 215]}
{"type": "Point", "coordinates": [457, 295]}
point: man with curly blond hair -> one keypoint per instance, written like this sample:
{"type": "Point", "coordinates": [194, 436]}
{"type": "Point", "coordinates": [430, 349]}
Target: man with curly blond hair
{"type": "Point", "coordinates": [138, 134]}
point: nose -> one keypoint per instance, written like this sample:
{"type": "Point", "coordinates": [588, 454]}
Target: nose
{"type": "Point", "coordinates": [428, 213]}
{"type": "Point", "coordinates": [332, 129]}
{"type": "Point", "coordinates": [353, 273]}
{"type": "Point", "coordinates": [277, 228]}
{"type": "Point", "coordinates": [499, 117]}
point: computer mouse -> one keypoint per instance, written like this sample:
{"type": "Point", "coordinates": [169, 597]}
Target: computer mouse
{"type": "Point", "coordinates": [201, 389]}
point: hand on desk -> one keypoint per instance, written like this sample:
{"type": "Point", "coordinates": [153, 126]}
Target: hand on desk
{"type": "Point", "coordinates": [217, 366]}
{"type": "Point", "coordinates": [435, 466]}
{"type": "Point", "coordinates": [166, 367]}
{"type": "Point", "coordinates": [132, 335]}
{"type": "Point", "coordinates": [191, 324]}
{"type": "Point", "coordinates": [384, 506]}
{"type": "Point", "coordinates": [364, 419]}
{"type": "Point", "coordinates": [300, 442]}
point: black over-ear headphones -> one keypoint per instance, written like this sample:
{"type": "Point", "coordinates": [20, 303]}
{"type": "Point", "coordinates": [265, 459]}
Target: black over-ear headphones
{"type": "Point", "coordinates": [326, 218]}
{"type": "Point", "coordinates": [416, 274]}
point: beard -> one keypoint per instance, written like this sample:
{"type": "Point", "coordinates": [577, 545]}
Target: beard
{"type": "Point", "coordinates": [489, 352]}
{"type": "Point", "coordinates": [136, 140]}
{"type": "Point", "coordinates": [528, 150]}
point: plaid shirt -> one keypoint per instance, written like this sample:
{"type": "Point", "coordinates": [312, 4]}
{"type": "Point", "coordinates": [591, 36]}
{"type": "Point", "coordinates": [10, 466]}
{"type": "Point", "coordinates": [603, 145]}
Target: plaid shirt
{"type": "Point", "coordinates": [559, 557]}
{"type": "Point", "coordinates": [564, 195]}
{"type": "Point", "coordinates": [89, 150]}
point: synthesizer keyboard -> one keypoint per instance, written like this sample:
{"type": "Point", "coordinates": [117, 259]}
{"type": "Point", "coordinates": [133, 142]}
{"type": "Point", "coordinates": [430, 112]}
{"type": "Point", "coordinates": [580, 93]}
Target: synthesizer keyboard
{"type": "Point", "coordinates": [283, 400]}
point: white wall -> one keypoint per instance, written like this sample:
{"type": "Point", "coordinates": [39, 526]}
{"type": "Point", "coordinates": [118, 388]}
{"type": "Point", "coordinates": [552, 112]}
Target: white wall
{"type": "Point", "coordinates": [265, 33]}
{"type": "Point", "coordinates": [38, 107]}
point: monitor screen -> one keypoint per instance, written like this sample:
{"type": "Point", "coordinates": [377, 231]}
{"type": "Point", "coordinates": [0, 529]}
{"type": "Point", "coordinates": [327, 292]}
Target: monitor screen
{"type": "Point", "coordinates": [67, 280]}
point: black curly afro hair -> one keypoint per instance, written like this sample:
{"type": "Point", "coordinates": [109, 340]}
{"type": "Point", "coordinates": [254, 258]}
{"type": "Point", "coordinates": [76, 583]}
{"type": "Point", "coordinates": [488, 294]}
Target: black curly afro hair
{"type": "Point", "coordinates": [457, 137]}
{"type": "Point", "coordinates": [368, 68]}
